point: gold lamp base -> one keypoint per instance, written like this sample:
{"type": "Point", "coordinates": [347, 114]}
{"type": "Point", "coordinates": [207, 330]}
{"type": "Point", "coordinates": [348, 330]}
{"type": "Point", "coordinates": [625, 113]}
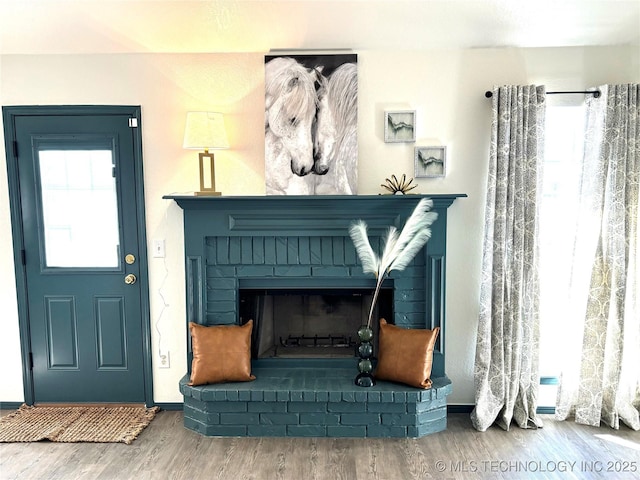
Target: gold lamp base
{"type": "Point", "coordinates": [208, 193]}
{"type": "Point", "coordinates": [207, 176]}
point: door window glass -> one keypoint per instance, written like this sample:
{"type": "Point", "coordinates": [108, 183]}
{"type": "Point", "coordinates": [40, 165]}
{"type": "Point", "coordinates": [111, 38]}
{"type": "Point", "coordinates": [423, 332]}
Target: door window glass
{"type": "Point", "coordinates": [79, 208]}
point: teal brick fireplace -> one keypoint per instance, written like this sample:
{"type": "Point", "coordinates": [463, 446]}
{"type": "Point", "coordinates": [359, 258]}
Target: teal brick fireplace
{"type": "Point", "coordinates": [285, 242]}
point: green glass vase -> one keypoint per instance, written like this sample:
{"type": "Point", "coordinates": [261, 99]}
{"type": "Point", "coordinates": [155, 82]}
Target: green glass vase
{"type": "Point", "coordinates": [365, 351]}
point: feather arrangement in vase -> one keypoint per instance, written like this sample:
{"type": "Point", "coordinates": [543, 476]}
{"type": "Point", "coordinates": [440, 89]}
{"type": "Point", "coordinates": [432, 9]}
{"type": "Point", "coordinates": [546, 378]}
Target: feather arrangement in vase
{"type": "Point", "coordinates": [399, 247]}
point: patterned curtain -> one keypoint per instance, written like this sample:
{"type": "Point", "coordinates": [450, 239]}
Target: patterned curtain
{"type": "Point", "coordinates": [506, 368]}
{"type": "Point", "coordinates": [601, 375]}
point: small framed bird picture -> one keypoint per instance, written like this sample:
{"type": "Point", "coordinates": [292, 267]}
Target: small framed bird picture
{"type": "Point", "coordinates": [430, 162]}
{"type": "Point", "coordinates": [400, 126]}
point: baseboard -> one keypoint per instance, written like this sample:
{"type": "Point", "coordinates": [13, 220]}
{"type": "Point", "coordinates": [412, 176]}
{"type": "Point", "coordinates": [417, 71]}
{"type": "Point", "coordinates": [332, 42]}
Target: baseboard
{"type": "Point", "coordinates": [174, 406]}
{"type": "Point", "coordinates": [546, 410]}
{"type": "Point", "coordinates": [469, 409]}
{"type": "Point", "coordinates": [460, 408]}
{"type": "Point", "coordinates": [10, 405]}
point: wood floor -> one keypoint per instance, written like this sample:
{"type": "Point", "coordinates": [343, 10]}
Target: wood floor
{"type": "Point", "coordinates": [166, 450]}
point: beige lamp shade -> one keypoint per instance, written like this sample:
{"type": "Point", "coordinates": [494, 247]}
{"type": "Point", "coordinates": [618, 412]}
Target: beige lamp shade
{"type": "Point", "coordinates": [205, 131]}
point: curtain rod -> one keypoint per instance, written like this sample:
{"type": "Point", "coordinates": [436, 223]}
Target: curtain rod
{"type": "Point", "coordinates": [595, 93]}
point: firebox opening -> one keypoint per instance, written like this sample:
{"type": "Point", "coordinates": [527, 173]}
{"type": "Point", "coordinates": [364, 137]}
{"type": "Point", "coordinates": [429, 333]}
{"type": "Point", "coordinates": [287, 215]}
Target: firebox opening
{"type": "Point", "coordinates": [310, 323]}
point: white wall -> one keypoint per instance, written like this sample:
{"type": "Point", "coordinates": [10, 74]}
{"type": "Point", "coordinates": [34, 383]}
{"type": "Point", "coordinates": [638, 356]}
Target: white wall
{"type": "Point", "coordinates": [446, 87]}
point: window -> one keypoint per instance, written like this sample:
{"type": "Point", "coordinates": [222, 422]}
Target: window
{"type": "Point", "coordinates": [564, 139]}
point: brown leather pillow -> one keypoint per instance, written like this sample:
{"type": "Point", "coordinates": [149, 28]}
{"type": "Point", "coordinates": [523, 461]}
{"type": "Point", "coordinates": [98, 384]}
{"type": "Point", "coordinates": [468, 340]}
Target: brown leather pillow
{"type": "Point", "coordinates": [405, 355]}
{"type": "Point", "coordinates": [221, 353]}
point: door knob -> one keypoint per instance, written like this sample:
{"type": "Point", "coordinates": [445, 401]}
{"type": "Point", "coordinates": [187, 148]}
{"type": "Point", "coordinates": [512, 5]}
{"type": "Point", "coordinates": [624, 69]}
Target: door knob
{"type": "Point", "coordinates": [130, 259]}
{"type": "Point", "coordinates": [130, 279]}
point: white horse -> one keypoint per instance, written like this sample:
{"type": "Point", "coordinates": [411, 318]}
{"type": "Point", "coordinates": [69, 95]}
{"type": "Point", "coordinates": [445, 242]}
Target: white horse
{"type": "Point", "coordinates": [336, 141]}
{"type": "Point", "coordinates": [290, 108]}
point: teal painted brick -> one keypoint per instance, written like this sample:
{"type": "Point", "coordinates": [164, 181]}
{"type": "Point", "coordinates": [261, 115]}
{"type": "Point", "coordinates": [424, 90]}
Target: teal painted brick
{"type": "Point", "coordinates": [410, 320]}
{"type": "Point", "coordinates": [226, 431]}
{"type": "Point", "coordinates": [201, 416]}
{"type": "Point", "coordinates": [281, 250]}
{"type": "Point", "coordinates": [279, 419]}
{"type": "Point", "coordinates": [244, 395]}
{"type": "Point", "coordinates": [296, 396]}
{"type": "Point", "coordinates": [306, 431]}
{"type": "Point", "coordinates": [346, 407]}
{"type": "Point", "coordinates": [432, 415]}
{"type": "Point", "coordinates": [406, 306]}
{"type": "Point", "coordinates": [292, 271]}
{"type": "Point", "coordinates": [409, 295]}
{"type": "Point", "coordinates": [304, 251]}
{"type": "Point", "coordinates": [399, 419]}
{"type": "Point", "coordinates": [350, 256]}
{"type": "Point", "coordinates": [227, 407]}
{"type": "Point", "coordinates": [298, 407]}
{"type": "Point", "coordinates": [257, 250]}
{"type": "Point", "coordinates": [196, 394]}
{"type": "Point", "coordinates": [219, 395]}
{"type": "Point", "coordinates": [270, 250]}
{"type": "Point", "coordinates": [359, 419]}
{"type": "Point", "coordinates": [292, 250]}
{"type": "Point", "coordinates": [386, 397]}
{"type": "Point", "coordinates": [218, 271]}
{"type": "Point", "coordinates": [322, 396]}
{"type": "Point", "coordinates": [386, 407]}
{"type": "Point", "coordinates": [361, 396]}
{"type": "Point", "coordinates": [194, 425]}
{"type": "Point", "coordinates": [348, 396]}
{"type": "Point", "coordinates": [413, 397]}
{"type": "Point", "coordinates": [400, 397]}
{"type": "Point", "coordinates": [326, 250]}
{"type": "Point", "coordinates": [315, 250]}
{"type": "Point", "coordinates": [222, 283]}
{"type": "Point", "coordinates": [270, 396]}
{"type": "Point", "coordinates": [256, 395]}
{"type": "Point", "coordinates": [282, 395]}
{"type": "Point", "coordinates": [203, 394]}
{"type": "Point", "coordinates": [335, 396]}
{"type": "Point", "coordinates": [255, 271]}
{"type": "Point", "coordinates": [319, 419]}
{"type": "Point", "coordinates": [373, 397]}
{"type": "Point", "coordinates": [426, 394]}
{"type": "Point", "coordinates": [330, 271]}
{"type": "Point", "coordinates": [338, 251]}
{"type": "Point", "coordinates": [222, 295]}
{"type": "Point", "coordinates": [308, 396]}
{"type": "Point", "coordinates": [266, 407]}
{"type": "Point", "coordinates": [246, 250]}
{"type": "Point", "coordinates": [233, 253]}
{"type": "Point", "coordinates": [239, 418]}
{"type": "Point", "coordinates": [232, 395]}
{"type": "Point", "coordinates": [221, 318]}
{"type": "Point", "coordinates": [192, 402]}
{"type": "Point", "coordinates": [346, 431]}
{"type": "Point", "coordinates": [267, 431]}
{"type": "Point", "coordinates": [428, 428]}
{"type": "Point", "coordinates": [386, 431]}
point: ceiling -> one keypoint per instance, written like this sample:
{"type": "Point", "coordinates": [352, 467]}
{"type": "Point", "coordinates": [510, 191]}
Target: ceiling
{"type": "Point", "coordinates": [170, 26]}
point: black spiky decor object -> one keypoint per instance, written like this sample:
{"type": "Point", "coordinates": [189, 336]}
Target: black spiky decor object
{"type": "Point", "coordinates": [398, 187]}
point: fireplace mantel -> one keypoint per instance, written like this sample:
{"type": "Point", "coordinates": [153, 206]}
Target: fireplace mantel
{"type": "Point", "coordinates": [238, 241]}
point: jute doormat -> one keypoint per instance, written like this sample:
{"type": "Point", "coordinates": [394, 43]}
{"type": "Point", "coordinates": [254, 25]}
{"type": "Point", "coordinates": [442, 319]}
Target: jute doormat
{"type": "Point", "coordinates": [100, 424]}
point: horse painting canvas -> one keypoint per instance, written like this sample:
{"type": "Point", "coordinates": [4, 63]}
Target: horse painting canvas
{"type": "Point", "coordinates": [311, 124]}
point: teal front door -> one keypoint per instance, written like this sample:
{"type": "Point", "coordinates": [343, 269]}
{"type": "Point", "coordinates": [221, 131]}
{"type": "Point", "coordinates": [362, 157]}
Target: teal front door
{"type": "Point", "coordinates": [81, 257]}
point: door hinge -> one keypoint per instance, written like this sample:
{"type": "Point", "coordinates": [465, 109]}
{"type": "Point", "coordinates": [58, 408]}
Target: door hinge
{"type": "Point", "coordinates": [133, 122]}
{"type": "Point", "coordinates": [23, 256]}
{"type": "Point", "coordinates": [30, 361]}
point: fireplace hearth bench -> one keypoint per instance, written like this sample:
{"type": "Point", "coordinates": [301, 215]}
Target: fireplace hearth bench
{"type": "Point", "coordinates": [295, 242]}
